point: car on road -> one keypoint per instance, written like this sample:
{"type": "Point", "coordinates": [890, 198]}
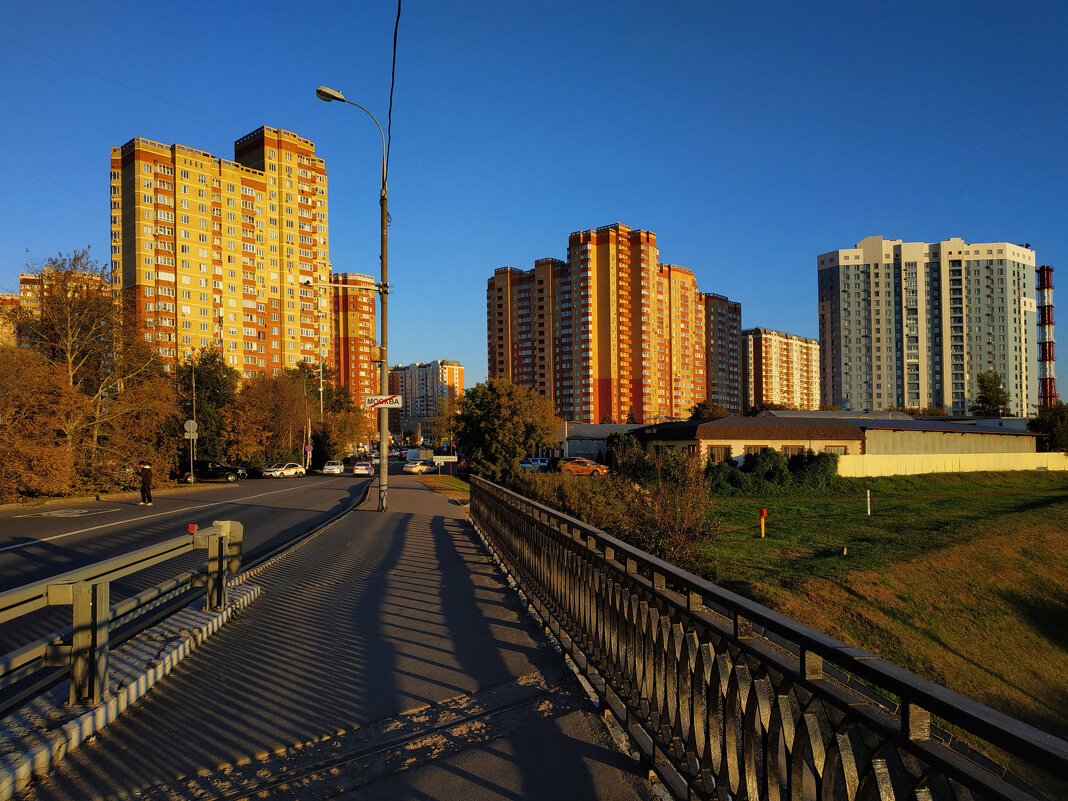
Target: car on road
{"type": "Point", "coordinates": [363, 469]}
{"type": "Point", "coordinates": [535, 464]}
{"type": "Point", "coordinates": [333, 469]}
{"type": "Point", "coordinates": [209, 470]}
{"type": "Point", "coordinates": [578, 466]}
{"type": "Point", "coordinates": [417, 467]}
{"type": "Point", "coordinates": [283, 470]}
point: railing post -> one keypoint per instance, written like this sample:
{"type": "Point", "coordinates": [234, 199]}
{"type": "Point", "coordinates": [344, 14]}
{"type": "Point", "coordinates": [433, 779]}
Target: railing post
{"type": "Point", "coordinates": [91, 615]}
{"type": "Point", "coordinates": [218, 558]}
{"type": "Point", "coordinates": [235, 534]}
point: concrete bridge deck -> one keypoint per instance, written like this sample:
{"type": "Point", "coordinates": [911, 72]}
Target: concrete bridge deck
{"type": "Point", "coordinates": [385, 659]}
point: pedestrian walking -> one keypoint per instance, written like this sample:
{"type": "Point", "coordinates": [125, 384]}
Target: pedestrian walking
{"type": "Point", "coordinates": [144, 469]}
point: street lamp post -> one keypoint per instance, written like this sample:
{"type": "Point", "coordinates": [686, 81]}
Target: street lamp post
{"type": "Point", "coordinates": [328, 95]}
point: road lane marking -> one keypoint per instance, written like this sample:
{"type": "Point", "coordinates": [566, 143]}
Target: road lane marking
{"type": "Point", "coordinates": [69, 513]}
{"type": "Point", "coordinates": [146, 517]}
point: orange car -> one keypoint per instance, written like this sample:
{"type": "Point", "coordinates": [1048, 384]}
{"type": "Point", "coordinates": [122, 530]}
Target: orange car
{"type": "Point", "coordinates": [583, 467]}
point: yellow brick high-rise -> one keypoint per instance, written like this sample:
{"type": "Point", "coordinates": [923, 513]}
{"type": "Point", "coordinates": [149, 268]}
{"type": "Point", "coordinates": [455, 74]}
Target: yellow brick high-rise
{"type": "Point", "coordinates": [213, 252]}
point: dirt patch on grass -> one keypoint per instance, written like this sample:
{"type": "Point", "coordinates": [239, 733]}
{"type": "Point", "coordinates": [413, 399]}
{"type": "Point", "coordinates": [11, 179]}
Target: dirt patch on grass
{"type": "Point", "coordinates": [988, 619]}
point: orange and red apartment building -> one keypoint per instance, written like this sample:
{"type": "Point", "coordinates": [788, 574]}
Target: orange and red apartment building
{"type": "Point", "coordinates": [609, 334]}
{"type": "Point", "coordinates": [234, 254]}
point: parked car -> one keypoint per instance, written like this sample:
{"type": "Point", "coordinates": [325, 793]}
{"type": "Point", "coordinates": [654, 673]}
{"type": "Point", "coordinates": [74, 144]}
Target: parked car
{"type": "Point", "coordinates": [333, 469]}
{"type": "Point", "coordinates": [578, 466]}
{"type": "Point", "coordinates": [209, 470]}
{"type": "Point", "coordinates": [363, 469]}
{"type": "Point", "coordinates": [285, 470]}
{"type": "Point", "coordinates": [535, 464]}
{"type": "Point", "coordinates": [417, 467]}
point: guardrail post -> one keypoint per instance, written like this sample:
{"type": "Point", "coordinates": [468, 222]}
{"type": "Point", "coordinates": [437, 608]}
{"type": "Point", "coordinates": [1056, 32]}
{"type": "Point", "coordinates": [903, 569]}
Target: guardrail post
{"type": "Point", "coordinates": [218, 559]}
{"type": "Point", "coordinates": [89, 644]}
{"type": "Point", "coordinates": [235, 534]}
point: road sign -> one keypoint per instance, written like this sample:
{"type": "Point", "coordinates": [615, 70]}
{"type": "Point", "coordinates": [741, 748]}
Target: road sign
{"type": "Point", "coordinates": [307, 448]}
{"type": "Point", "coordinates": [191, 435]}
{"type": "Point", "coordinates": [379, 401]}
{"type": "Point", "coordinates": [443, 459]}
{"type": "Point", "coordinates": [191, 426]}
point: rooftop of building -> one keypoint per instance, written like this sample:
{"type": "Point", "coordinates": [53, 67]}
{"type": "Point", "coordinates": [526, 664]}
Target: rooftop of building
{"type": "Point", "coordinates": [816, 425]}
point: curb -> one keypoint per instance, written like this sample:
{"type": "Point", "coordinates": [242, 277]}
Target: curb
{"type": "Point", "coordinates": [45, 730]}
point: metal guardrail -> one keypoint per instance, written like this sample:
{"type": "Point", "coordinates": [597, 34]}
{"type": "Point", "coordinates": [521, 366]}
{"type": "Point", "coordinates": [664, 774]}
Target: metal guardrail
{"type": "Point", "coordinates": [83, 647]}
{"type": "Point", "coordinates": [726, 698]}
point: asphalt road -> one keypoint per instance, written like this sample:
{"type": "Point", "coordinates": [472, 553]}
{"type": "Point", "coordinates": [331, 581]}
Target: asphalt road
{"type": "Point", "coordinates": [45, 541]}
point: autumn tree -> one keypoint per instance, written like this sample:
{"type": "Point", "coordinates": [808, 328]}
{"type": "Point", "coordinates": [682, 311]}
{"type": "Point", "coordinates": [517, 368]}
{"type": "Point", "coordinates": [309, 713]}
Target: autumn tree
{"type": "Point", "coordinates": [443, 423]}
{"type": "Point", "coordinates": [1052, 423]}
{"type": "Point", "coordinates": [709, 410]}
{"type": "Point", "coordinates": [991, 399]}
{"type": "Point", "coordinates": [75, 325]}
{"type": "Point", "coordinates": [207, 387]}
{"type": "Point", "coordinates": [500, 423]}
{"type": "Point", "coordinates": [35, 403]}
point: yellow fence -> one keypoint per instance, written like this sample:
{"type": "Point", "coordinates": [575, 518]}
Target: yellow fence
{"type": "Point", "coordinates": [911, 463]}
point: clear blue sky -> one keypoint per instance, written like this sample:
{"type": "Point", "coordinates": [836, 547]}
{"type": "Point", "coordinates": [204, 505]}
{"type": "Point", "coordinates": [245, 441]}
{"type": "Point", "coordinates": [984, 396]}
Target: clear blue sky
{"type": "Point", "coordinates": [749, 136]}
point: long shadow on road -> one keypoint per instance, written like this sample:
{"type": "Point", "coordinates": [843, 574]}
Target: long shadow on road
{"type": "Point", "coordinates": [382, 615]}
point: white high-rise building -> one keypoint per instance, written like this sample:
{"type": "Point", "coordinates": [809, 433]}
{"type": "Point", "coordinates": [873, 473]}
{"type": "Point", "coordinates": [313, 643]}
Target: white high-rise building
{"type": "Point", "coordinates": [911, 324]}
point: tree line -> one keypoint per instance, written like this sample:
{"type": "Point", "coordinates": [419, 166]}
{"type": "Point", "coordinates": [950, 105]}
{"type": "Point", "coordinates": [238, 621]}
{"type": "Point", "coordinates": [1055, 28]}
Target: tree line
{"type": "Point", "coordinates": [83, 397]}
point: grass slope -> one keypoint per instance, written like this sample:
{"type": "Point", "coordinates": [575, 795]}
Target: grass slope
{"type": "Point", "coordinates": [960, 578]}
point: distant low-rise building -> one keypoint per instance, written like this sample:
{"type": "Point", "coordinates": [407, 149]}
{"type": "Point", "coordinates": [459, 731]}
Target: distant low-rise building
{"type": "Point", "coordinates": [866, 446]}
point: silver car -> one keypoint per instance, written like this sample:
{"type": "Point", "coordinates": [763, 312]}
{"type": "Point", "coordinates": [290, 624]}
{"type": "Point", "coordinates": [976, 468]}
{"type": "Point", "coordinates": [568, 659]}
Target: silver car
{"type": "Point", "coordinates": [333, 469]}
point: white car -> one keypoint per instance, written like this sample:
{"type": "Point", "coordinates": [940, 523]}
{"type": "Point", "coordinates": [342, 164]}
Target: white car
{"type": "Point", "coordinates": [363, 469]}
{"type": "Point", "coordinates": [416, 467]}
{"type": "Point", "coordinates": [333, 468]}
{"type": "Point", "coordinates": [286, 470]}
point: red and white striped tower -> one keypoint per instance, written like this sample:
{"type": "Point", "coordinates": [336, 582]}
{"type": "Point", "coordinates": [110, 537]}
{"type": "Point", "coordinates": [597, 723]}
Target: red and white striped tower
{"type": "Point", "coordinates": [1047, 382]}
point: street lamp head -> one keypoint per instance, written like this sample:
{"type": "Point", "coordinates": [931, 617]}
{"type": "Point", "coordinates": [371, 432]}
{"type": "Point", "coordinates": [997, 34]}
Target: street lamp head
{"type": "Point", "coordinates": [328, 94]}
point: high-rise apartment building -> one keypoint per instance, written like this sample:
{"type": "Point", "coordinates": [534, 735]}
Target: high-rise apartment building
{"type": "Point", "coordinates": [352, 314]}
{"type": "Point", "coordinates": [723, 326]}
{"type": "Point", "coordinates": [214, 252]}
{"type": "Point", "coordinates": [911, 324]}
{"type": "Point", "coordinates": [423, 386]}
{"type": "Point", "coordinates": [781, 369]}
{"type": "Point", "coordinates": [608, 334]}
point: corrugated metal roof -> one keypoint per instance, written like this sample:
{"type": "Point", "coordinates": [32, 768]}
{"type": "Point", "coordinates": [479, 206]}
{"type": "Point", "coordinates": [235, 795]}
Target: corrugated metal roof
{"type": "Point", "coordinates": [944, 426]}
{"type": "Point", "coordinates": [594, 430]}
{"type": "Point", "coordinates": [736, 427]}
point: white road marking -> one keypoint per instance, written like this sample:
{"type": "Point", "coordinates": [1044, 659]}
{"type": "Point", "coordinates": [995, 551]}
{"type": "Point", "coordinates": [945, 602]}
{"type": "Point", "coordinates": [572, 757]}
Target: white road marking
{"type": "Point", "coordinates": [145, 517]}
{"type": "Point", "coordinates": [69, 513]}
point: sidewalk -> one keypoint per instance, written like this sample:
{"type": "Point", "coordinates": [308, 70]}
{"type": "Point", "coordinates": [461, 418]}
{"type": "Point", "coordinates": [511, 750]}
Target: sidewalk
{"type": "Point", "coordinates": [386, 658]}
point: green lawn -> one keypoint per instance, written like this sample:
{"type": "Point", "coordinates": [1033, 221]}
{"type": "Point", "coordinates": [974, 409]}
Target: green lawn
{"type": "Point", "coordinates": [960, 578]}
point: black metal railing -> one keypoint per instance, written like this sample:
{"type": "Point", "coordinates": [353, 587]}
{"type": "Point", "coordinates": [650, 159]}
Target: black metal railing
{"type": "Point", "coordinates": [82, 648]}
{"type": "Point", "coordinates": [725, 698]}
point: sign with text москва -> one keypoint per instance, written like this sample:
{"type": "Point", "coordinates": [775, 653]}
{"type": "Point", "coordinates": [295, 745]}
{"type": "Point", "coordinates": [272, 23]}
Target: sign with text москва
{"type": "Point", "coordinates": [377, 401]}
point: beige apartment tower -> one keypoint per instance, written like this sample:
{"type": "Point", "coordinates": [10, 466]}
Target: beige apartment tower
{"type": "Point", "coordinates": [423, 387]}
{"type": "Point", "coordinates": [781, 369]}
{"type": "Point", "coordinates": [215, 253]}
{"type": "Point", "coordinates": [912, 324]}
{"type": "Point", "coordinates": [610, 334]}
